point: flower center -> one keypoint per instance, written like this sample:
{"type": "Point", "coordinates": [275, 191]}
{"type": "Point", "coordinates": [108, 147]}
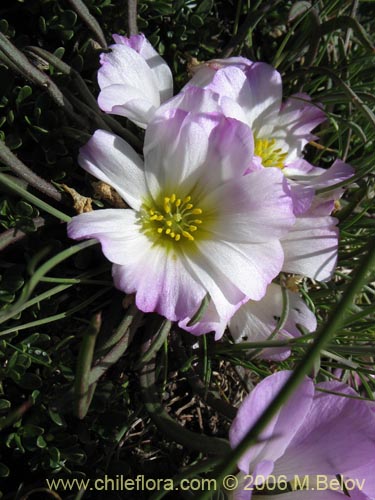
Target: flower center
{"type": "Point", "coordinates": [271, 155]}
{"type": "Point", "coordinates": [172, 219]}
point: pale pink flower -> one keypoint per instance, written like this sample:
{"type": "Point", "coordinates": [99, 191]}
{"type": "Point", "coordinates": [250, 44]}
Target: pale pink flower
{"type": "Point", "coordinates": [196, 225]}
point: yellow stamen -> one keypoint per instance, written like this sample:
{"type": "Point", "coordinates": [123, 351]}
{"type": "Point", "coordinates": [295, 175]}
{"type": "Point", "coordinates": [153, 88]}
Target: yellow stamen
{"type": "Point", "coordinates": [171, 216]}
{"type": "Point", "coordinates": [188, 235]}
{"type": "Point", "coordinates": [167, 207]}
{"type": "Point", "coordinates": [271, 155]}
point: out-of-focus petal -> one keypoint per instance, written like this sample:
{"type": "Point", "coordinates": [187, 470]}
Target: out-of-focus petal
{"type": "Point", "coordinates": [336, 437]}
{"type": "Point", "coordinates": [275, 439]}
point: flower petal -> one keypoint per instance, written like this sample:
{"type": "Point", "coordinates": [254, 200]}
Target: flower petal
{"type": "Point", "coordinates": [333, 426]}
{"type": "Point", "coordinates": [159, 278]}
{"type": "Point", "coordinates": [186, 151]}
{"type": "Point", "coordinates": [193, 99]}
{"type": "Point", "coordinates": [161, 282]}
{"type": "Point", "coordinates": [203, 73]}
{"type": "Point", "coordinates": [306, 174]}
{"type": "Point", "coordinates": [225, 296]}
{"type": "Point", "coordinates": [158, 66]}
{"type": "Point", "coordinates": [302, 197]}
{"type": "Point", "coordinates": [210, 322]}
{"type": "Point", "coordinates": [275, 439]}
{"type": "Point", "coordinates": [310, 248]}
{"type": "Point", "coordinates": [125, 100]}
{"type": "Point", "coordinates": [297, 118]}
{"type": "Point", "coordinates": [115, 228]}
{"type": "Point", "coordinates": [256, 208]}
{"type": "Point", "coordinates": [256, 320]}
{"type": "Point", "coordinates": [124, 66]}
{"type": "Point", "coordinates": [257, 89]}
{"type": "Point", "coordinates": [110, 159]}
{"type": "Point", "coordinates": [250, 267]}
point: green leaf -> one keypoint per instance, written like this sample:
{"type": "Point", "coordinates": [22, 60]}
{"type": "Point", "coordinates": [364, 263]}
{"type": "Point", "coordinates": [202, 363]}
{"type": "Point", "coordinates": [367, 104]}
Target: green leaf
{"type": "Point", "coordinates": [204, 7]}
{"type": "Point", "coordinates": [55, 417]}
{"type": "Point", "coordinates": [164, 9]}
{"type": "Point", "coordinates": [24, 93]}
{"type": "Point", "coordinates": [40, 442]}
{"type": "Point", "coordinates": [55, 457]}
{"type": "Point", "coordinates": [36, 338]}
{"type": "Point", "coordinates": [4, 404]}
{"type": "Point", "coordinates": [6, 297]}
{"type": "Point", "coordinates": [345, 22]}
{"type": "Point", "coordinates": [67, 34]}
{"type": "Point", "coordinates": [68, 19]}
{"type": "Point", "coordinates": [202, 309]}
{"type": "Point", "coordinates": [4, 26]}
{"type": "Point", "coordinates": [39, 355]}
{"type": "Point", "coordinates": [4, 470]}
{"type": "Point", "coordinates": [25, 209]}
{"type": "Point", "coordinates": [197, 21]}
{"type": "Point", "coordinates": [10, 117]}
{"type": "Point", "coordinates": [42, 25]}
{"type": "Point", "coordinates": [30, 430]}
{"type": "Point", "coordinates": [59, 52]}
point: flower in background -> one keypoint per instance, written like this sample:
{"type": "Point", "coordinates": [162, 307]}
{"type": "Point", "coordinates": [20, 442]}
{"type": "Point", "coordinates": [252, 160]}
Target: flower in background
{"type": "Point", "coordinates": [253, 94]}
{"type": "Point", "coordinates": [196, 225]}
{"type": "Point", "coordinates": [133, 79]}
{"type": "Point", "coordinates": [314, 434]}
{"type": "Point", "coordinates": [257, 321]}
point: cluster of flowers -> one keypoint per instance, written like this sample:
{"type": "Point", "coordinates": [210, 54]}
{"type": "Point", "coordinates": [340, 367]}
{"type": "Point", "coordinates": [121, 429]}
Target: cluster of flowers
{"type": "Point", "coordinates": [220, 204]}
